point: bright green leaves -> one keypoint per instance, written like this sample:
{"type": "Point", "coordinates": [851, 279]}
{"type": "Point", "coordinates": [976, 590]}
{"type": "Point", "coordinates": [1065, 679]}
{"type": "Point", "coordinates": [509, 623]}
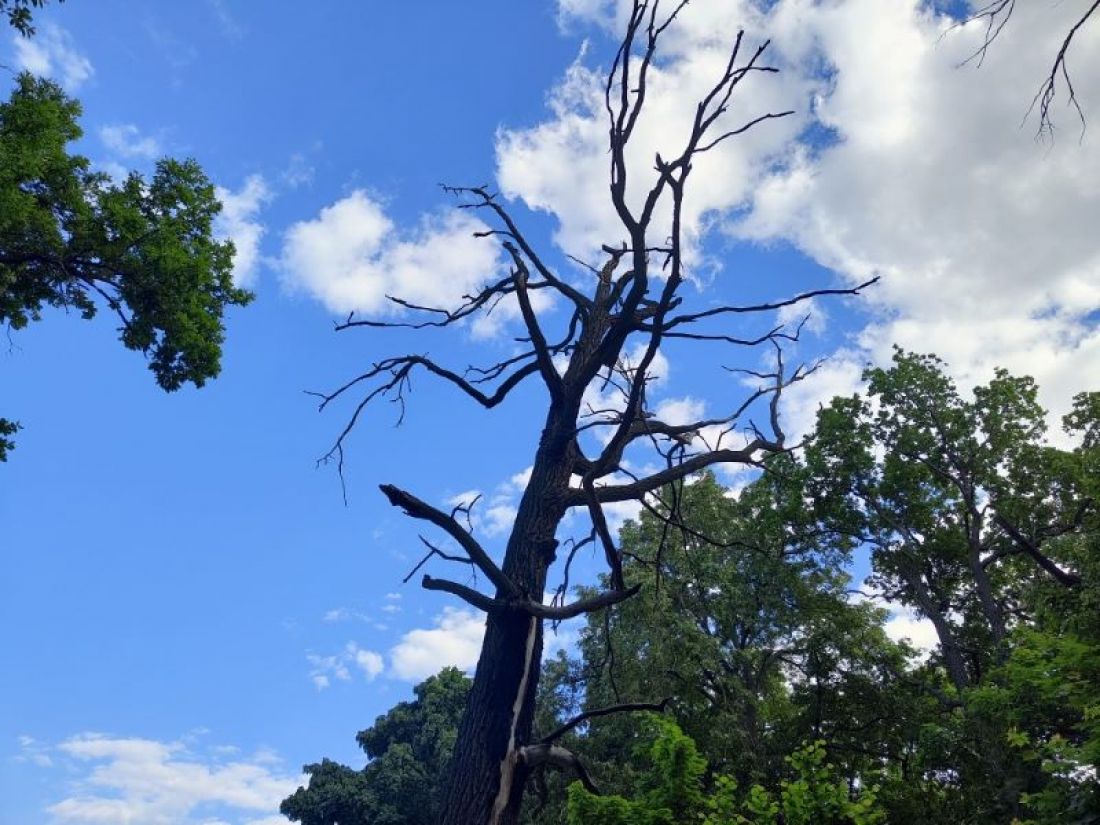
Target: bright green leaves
{"type": "Point", "coordinates": [143, 249]}
{"type": "Point", "coordinates": [672, 793]}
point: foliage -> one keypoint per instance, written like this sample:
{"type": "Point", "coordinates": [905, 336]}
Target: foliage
{"type": "Point", "coordinates": [673, 792]}
{"type": "Point", "coordinates": [407, 748]}
{"type": "Point", "coordinates": [70, 238]}
{"type": "Point", "coordinates": [747, 624]}
{"type": "Point", "coordinates": [21, 14]}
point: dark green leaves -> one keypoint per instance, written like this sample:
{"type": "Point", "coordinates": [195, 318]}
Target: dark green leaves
{"type": "Point", "coordinates": [142, 249]}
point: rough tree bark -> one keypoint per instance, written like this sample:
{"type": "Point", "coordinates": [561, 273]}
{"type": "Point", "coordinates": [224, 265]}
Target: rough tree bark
{"type": "Point", "coordinates": [633, 296]}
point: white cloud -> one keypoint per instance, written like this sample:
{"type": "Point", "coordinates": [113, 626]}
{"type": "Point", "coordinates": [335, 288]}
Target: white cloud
{"type": "Point", "coordinates": [344, 614]}
{"type": "Point", "coordinates": [33, 751]}
{"type": "Point", "coordinates": [985, 239]}
{"type": "Point", "coordinates": [51, 53]}
{"type": "Point", "coordinates": [906, 625]}
{"type": "Point", "coordinates": [369, 662]}
{"type": "Point", "coordinates": [323, 669]}
{"type": "Point", "coordinates": [126, 139]}
{"type": "Point", "coordinates": [521, 479]}
{"type": "Point", "coordinates": [238, 222]}
{"type": "Point", "coordinates": [351, 256]}
{"type": "Point", "coordinates": [455, 640]}
{"type": "Point", "coordinates": [561, 165]}
{"type": "Point", "coordinates": [493, 517]}
{"type": "Point", "coordinates": [841, 375]}
{"type": "Point", "coordinates": [133, 781]}
{"type": "Point", "coordinates": [679, 411]}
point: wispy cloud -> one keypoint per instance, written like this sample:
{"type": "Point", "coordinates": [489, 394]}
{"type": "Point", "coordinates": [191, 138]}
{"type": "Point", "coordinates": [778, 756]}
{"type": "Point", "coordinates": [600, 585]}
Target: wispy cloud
{"type": "Point", "coordinates": [239, 222]}
{"type": "Point", "coordinates": [127, 141]}
{"type": "Point", "coordinates": [52, 53]}
{"type": "Point", "coordinates": [230, 27]}
{"type": "Point", "coordinates": [340, 666]}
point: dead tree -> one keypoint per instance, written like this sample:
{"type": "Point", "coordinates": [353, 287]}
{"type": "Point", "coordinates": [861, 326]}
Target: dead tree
{"type": "Point", "coordinates": [995, 15]}
{"type": "Point", "coordinates": [635, 296]}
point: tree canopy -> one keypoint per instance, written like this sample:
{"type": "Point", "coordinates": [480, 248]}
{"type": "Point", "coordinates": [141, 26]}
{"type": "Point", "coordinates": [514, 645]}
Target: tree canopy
{"type": "Point", "coordinates": [785, 696]}
{"type": "Point", "coordinates": [144, 249]}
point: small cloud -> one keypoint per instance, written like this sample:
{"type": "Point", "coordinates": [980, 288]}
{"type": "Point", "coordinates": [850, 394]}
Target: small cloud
{"type": "Point", "coordinates": [905, 624]}
{"type": "Point", "coordinates": [368, 661]}
{"type": "Point", "coordinates": [352, 256]}
{"type": "Point", "coordinates": [680, 411]}
{"type": "Point", "coordinates": [344, 614]}
{"type": "Point", "coordinates": [298, 172]}
{"type": "Point", "coordinates": [51, 53]}
{"type": "Point", "coordinates": [499, 519]}
{"type": "Point", "coordinates": [238, 222]}
{"type": "Point", "coordinates": [126, 140]}
{"type": "Point", "coordinates": [33, 751]}
{"type": "Point", "coordinates": [455, 640]}
{"type": "Point", "coordinates": [115, 170]}
{"type": "Point", "coordinates": [520, 480]}
{"type": "Point", "coordinates": [323, 669]}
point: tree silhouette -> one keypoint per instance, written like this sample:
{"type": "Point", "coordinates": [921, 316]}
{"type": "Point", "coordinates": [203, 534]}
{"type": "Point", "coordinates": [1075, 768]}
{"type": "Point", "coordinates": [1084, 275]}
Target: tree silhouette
{"type": "Point", "coordinates": [635, 296]}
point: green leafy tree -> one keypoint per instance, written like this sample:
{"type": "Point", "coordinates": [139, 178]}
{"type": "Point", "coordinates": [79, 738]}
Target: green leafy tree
{"type": "Point", "coordinates": [744, 621]}
{"type": "Point", "coordinates": [981, 526]}
{"type": "Point", "coordinates": [144, 249]}
{"type": "Point", "coordinates": [673, 792]}
{"type": "Point", "coordinates": [408, 749]}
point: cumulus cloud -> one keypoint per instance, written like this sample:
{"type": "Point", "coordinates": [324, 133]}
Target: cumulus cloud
{"type": "Point", "coordinates": [985, 240]}
{"type": "Point", "coordinates": [352, 255]}
{"type": "Point", "coordinates": [126, 140]}
{"type": "Point", "coordinates": [52, 53]}
{"type": "Point", "coordinates": [560, 165]}
{"type": "Point", "coordinates": [133, 781]}
{"type": "Point", "coordinates": [239, 222]}
{"type": "Point", "coordinates": [454, 640]}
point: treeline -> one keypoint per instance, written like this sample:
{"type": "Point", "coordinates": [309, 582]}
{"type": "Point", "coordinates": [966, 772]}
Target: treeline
{"type": "Point", "coordinates": [784, 698]}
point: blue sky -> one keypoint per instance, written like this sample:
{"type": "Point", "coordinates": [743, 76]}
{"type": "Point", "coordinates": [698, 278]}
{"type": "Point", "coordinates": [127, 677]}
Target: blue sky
{"type": "Point", "coordinates": [189, 610]}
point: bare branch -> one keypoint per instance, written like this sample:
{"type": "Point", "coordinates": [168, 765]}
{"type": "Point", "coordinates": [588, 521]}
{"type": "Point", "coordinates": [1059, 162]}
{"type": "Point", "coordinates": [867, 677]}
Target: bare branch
{"type": "Point", "coordinates": [418, 509]}
{"type": "Point", "coordinates": [532, 756]}
{"type": "Point", "coordinates": [570, 611]}
{"type": "Point", "coordinates": [467, 594]}
{"type": "Point", "coordinates": [630, 707]}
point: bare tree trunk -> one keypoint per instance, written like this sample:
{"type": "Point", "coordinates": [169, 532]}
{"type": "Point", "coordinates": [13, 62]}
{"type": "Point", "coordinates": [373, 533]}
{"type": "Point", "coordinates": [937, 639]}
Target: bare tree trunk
{"type": "Point", "coordinates": [485, 780]}
{"type": "Point", "coordinates": [486, 776]}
